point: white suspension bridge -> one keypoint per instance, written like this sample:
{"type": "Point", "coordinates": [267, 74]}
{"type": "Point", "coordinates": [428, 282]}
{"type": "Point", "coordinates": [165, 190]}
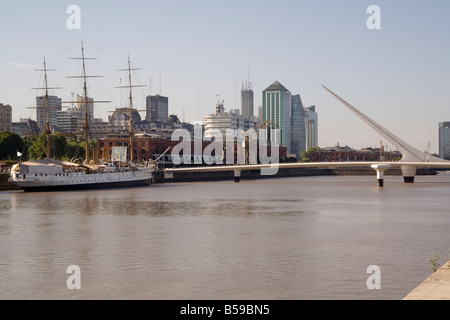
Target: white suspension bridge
{"type": "Point", "coordinates": [411, 160]}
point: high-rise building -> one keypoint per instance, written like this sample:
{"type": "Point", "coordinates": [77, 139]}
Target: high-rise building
{"type": "Point", "coordinates": [444, 140]}
{"type": "Point", "coordinates": [298, 133]}
{"type": "Point", "coordinates": [25, 128]}
{"type": "Point", "coordinates": [311, 122]}
{"type": "Point", "coordinates": [247, 99]}
{"type": "Point", "coordinates": [54, 104]}
{"type": "Point", "coordinates": [222, 121]}
{"type": "Point", "coordinates": [70, 120]}
{"type": "Point", "coordinates": [5, 117]}
{"type": "Point", "coordinates": [157, 108]}
{"type": "Point", "coordinates": [90, 107]}
{"type": "Point", "coordinates": [276, 110]}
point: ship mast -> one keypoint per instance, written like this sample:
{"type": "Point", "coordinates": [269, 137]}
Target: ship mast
{"type": "Point", "coordinates": [48, 131]}
{"type": "Point", "coordinates": [47, 125]}
{"type": "Point", "coordinates": [85, 100]}
{"type": "Point", "coordinates": [86, 125]}
{"type": "Point", "coordinates": [130, 86]}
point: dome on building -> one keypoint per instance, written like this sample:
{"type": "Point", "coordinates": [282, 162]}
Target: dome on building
{"type": "Point", "coordinates": [121, 117]}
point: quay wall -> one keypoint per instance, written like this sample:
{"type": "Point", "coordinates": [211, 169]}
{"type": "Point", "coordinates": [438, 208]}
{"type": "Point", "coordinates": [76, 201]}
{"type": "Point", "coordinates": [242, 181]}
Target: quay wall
{"type": "Point", "coordinates": [249, 174]}
{"type": "Point", "coordinates": [282, 172]}
{"type": "Point", "coordinates": [435, 287]}
{"type": "Point", "coordinates": [5, 184]}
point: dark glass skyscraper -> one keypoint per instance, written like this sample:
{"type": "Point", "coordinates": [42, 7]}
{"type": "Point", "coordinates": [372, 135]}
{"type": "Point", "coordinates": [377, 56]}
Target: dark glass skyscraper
{"type": "Point", "coordinates": [157, 108]}
{"type": "Point", "coordinates": [247, 99]}
{"type": "Point", "coordinates": [298, 132]}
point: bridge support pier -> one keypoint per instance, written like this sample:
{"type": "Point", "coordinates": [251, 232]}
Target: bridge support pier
{"type": "Point", "coordinates": [408, 173]}
{"type": "Point", "coordinates": [237, 175]}
{"type": "Point", "coordinates": [380, 168]}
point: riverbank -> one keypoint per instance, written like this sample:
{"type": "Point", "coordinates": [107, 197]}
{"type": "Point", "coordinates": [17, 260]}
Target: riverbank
{"type": "Point", "coordinates": [435, 287]}
{"type": "Point", "coordinates": [5, 184]}
{"type": "Point", "coordinates": [282, 173]}
{"type": "Point", "coordinates": [252, 174]}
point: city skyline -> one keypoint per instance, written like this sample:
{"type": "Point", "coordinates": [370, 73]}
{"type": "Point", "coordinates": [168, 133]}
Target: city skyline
{"type": "Point", "coordinates": [192, 52]}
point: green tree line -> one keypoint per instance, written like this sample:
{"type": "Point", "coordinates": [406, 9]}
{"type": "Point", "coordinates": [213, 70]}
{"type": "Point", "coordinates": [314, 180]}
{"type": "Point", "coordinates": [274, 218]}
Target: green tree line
{"type": "Point", "coordinates": [306, 155]}
{"type": "Point", "coordinates": [31, 148]}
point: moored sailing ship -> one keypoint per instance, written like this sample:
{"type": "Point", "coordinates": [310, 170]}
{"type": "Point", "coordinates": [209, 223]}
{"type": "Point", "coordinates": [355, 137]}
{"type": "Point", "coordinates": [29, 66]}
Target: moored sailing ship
{"type": "Point", "coordinates": [54, 175]}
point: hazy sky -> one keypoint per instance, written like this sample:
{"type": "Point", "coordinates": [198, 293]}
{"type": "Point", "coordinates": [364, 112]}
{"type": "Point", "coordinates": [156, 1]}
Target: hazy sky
{"type": "Point", "coordinates": [192, 51]}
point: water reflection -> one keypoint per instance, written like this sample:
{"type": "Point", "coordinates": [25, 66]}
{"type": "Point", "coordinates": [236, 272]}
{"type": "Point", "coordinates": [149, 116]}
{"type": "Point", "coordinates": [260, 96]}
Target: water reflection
{"type": "Point", "coordinates": [298, 238]}
{"type": "Point", "coordinates": [54, 203]}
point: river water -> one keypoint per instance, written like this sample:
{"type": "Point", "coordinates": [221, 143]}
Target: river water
{"type": "Point", "coordinates": [281, 238]}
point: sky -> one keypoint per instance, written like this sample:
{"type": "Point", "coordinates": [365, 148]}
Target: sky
{"type": "Point", "coordinates": [197, 51]}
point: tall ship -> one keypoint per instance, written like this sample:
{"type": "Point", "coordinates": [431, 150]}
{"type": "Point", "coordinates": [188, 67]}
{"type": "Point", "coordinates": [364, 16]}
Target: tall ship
{"type": "Point", "coordinates": [50, 174]}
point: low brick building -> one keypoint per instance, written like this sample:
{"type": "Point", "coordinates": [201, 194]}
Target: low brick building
{"type": "Point", "coordinates": [149, 148]}
{"type": "Point", "coordinates": [339, 154]}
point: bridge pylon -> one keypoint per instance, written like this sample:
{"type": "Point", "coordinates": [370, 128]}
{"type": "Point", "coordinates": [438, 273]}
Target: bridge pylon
{"type": "Point", "coordinates": [380, 168]}
{"type": "Point", "coordinates": [409, 153]}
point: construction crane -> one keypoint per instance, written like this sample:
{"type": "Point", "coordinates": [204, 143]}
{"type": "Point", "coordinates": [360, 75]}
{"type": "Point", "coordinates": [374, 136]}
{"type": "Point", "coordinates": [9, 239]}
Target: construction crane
{"type": "Point", "coordinates": [266, 124]}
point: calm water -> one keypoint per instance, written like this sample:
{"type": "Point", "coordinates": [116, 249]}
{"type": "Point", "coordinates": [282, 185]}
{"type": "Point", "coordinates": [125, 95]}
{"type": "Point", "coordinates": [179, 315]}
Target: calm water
{"type": "Point", "coordinates": [291, 238]}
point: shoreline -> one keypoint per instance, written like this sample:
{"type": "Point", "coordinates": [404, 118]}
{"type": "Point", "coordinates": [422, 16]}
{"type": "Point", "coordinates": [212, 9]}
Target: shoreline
{"type": "Point", "coordinates": [5, 185]}
{"type": "Point", "coordinates": [251, 174]}
{"type": "Point", "coordinates": [435, 287]}
{"type": "Point", "coordinates": [282, 173]}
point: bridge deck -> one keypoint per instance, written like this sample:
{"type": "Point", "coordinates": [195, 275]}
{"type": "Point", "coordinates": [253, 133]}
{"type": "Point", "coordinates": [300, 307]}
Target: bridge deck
{"type": "Point", "coordinates": [442, 165]}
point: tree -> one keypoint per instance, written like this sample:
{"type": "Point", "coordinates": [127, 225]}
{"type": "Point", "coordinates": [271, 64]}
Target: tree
{"type": "Point", "coordinates": [38, 147]}
{"type": "Point", "coordinates": [10, 144]}
{"type": "Point", "coordinates": [27, 143]}
{"type": "Point", "coordinates": [74, 149]}
{"type": "Point", "coordinates": [307, 154]}
{"type": "Point", "coordinates": [58, 145]}
{"type": "Point", "coordinates": [288, 159]}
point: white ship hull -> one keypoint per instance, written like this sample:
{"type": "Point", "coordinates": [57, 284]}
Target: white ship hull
{"type": "Point", "coordinates": [59, 180]}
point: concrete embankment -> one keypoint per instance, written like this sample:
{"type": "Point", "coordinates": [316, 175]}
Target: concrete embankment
{"type": "Point", "coordinates": [5, 184]}
{"type": "Point", "coordinates": [249, 174]}
{"type": "Point", "coordinates": [435, 287]}
{"type": "Point", "coordinates": [285, 172]}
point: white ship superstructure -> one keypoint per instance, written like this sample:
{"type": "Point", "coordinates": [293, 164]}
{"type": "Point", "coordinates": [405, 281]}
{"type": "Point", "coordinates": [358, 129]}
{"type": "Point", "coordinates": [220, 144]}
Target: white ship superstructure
{"type": "Point", "coordinates": [53, 175]}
